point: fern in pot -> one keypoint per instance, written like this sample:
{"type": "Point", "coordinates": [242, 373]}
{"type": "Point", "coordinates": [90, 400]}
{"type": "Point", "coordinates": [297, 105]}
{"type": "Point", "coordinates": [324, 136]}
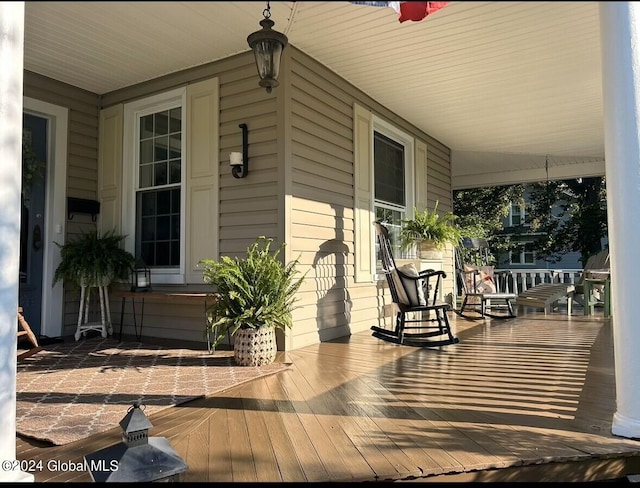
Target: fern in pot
{"type": "Point", "coordinates": [430, 232]}
{"type": "Point", "coordinates": [256, 296]}
{"type": "Point", "coordinates": [91, 259]}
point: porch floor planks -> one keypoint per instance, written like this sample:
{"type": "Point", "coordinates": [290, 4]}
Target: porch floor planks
{"type": "Point", "coordinates": [535, 395]}
{"type": "Point", "coordinates": [270, 445]}
{"type": "Point", "coordinates": [285, 395]}
{"type": "Point", "coordinates": [383, 456]}
{"type": "Point", "coordinates": [242, 470]}
{"type": "Point", "coordinates": [320, 418]}
{"type": "Point", "coordinates": [398, 449]}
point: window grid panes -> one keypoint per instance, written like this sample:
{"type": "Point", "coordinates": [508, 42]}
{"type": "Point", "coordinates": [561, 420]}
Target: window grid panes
{"type": "Point", "coordinates": [389, 188]}
{"type": "Point", "coordinates": [522, 257]}
{"type": "Point", "coordinates": [158, 199]}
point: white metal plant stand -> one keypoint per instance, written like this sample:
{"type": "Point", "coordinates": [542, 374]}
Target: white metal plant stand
{"type": "Point", "coordinates": [104, 326]}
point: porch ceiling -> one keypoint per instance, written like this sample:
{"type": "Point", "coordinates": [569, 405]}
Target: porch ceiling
{"type": "Point", "coordinates": [513, 88]}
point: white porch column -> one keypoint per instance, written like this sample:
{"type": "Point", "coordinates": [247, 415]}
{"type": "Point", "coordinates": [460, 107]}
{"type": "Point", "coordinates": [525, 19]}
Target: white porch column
{"type": "Point", "coordinates": [11, 75]}
{"type": "Point", "coordinates": [620, 36]}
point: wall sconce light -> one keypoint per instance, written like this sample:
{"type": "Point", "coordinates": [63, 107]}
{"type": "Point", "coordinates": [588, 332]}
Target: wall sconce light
{"type": "Point", "coordinates": [267, 46]}
{"type": "Point", "coordinates": [240, 161]}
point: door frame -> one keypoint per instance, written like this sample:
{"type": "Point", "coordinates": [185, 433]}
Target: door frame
{"type": "Point", "coordinates": [55, 217]}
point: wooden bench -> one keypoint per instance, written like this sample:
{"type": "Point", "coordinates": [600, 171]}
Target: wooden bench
{"type": "Point", "coordinates": [205, 298]}
{"type": "Point", "coordinates": [546, 295]}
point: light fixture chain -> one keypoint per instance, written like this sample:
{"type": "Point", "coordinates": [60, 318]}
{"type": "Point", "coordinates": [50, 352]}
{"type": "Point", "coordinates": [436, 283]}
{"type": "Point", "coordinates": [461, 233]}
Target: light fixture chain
{"type": "Point", "coordinates": [267, 11]}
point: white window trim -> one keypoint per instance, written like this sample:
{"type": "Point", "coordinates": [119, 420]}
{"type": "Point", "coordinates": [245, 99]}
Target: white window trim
{"type": "Point", "coordinates": [522, 260]}
{"type": "Point", "coordinates": [132, 113]}
{"type": "Point", "coordinates": [401, 137]}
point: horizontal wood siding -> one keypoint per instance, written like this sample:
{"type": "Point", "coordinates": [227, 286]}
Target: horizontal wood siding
{"type": "Point", "coordinates": [82, 159]}
{"type": "Point", "coordinates": [319, 223]}
{"type": "Point", "coordinates": [248, 206]}
{"type": "Point", "coordinates": [331, 304]}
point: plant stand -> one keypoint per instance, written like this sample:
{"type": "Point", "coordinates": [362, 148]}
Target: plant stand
{"type": "Point", "coordinates": [104, 326]}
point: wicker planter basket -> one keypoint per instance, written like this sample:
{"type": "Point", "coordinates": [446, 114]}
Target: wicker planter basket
{"type": "Point", "coordinates": [428, 250]}
{"type": "Point", "coordinates": [255, 347]}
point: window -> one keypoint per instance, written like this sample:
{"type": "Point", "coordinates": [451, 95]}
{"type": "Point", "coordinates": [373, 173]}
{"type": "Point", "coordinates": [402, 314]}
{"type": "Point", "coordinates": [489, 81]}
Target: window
{"type": "Point", "coordinates": [155, 132]}
{"type": "Point", "coordinates": [518, 216]}
{"type": "Point", "coordinates": [392, 167]}
{"type": "Point", "coordinates": [522, 256]}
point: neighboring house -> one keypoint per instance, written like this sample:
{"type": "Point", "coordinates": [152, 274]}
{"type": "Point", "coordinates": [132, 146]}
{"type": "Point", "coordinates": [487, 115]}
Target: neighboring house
{"type": "Point", "coordinates": [324, 160]}
{"type": "Point", "coordinates": [518, 225]}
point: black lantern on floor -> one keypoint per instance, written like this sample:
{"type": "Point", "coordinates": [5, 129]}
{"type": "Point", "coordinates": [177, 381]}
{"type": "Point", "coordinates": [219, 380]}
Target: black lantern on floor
{"type": "Point", "coordinates": [138, 458]}
{"type": "Point", "coordinates": [267, 46]}
{"type": "Point", "coordinates": [141, 277]}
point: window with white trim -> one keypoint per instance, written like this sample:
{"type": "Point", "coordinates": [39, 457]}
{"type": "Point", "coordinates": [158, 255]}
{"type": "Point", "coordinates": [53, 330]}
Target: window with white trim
{"type": "Point", "coordinates": [522, 256]}
{"type": "Point", "coordinates": [392, 176]}
{"type": "Point", "coordinates": [155, 142]}
{"type": "Point", "coordinates": [518, 215]}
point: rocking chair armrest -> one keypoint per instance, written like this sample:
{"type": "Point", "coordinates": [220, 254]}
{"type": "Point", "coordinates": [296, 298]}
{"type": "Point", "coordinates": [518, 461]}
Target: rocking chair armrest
{"type": "Point", "coordinates": [428, 273]}
{"type": "Point", "coordinates": [422, 275]}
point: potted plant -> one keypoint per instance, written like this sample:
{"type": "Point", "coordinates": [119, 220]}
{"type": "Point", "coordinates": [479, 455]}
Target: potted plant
{"type": "Point", "coordinates": [430, 232]}
{"type": "Point", "coordinates": [256, 297]}
{"type": "Point", "coordinates": [92, 259]}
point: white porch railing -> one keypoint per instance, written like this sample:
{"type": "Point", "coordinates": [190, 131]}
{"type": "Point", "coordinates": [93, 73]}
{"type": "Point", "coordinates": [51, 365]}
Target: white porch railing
{"type": "Point", "coordinates": [518, 280]}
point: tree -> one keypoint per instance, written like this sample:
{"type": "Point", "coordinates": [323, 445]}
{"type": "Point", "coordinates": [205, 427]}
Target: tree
{"type": "Point", "coordinates": [563, 216]}
{"type": "Point", "coordinates": [569, 215]}
{"type": "Point", "coordinates": [480, 212]}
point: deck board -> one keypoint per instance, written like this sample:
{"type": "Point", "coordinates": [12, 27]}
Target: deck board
{"type": "Point", "coordinates": [526, 399]}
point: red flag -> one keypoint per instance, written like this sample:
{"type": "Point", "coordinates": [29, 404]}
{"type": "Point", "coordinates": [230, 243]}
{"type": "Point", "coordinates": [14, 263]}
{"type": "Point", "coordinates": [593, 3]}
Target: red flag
{"type": "Point", "coordinates": [416, 11]}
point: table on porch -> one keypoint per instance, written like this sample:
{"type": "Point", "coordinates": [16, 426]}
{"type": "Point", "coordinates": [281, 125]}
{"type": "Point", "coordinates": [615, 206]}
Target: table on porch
{"type": "Point", "coordinates": [206, 298]}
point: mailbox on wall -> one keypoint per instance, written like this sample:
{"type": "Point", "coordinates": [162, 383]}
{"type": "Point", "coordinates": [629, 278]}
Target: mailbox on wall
{"type": "Point", "coordinates": [83, 206]}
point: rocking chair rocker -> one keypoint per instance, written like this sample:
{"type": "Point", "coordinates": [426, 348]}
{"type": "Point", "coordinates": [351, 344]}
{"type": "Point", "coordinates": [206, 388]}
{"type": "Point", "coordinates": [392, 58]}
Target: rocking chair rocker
{"type": "Point", "coordinates": [415, 296]}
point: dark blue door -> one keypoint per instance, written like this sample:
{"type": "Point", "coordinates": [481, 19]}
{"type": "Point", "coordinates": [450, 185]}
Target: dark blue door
{"type": "Point", "coordinates": [32, 238]}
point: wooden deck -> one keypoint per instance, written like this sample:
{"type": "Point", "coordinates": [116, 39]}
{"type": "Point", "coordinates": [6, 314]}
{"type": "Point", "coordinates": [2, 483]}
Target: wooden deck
{"type": "Point", "coordinates": [527, 399]}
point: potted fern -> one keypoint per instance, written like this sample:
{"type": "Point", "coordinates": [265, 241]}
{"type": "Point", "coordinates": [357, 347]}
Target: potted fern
{"type": "Point", "coordinates": [256, 297]}
{"type": "Point", "coordinates": [92, 259]}
{"type": "Point", "coordinates": [430, 232]}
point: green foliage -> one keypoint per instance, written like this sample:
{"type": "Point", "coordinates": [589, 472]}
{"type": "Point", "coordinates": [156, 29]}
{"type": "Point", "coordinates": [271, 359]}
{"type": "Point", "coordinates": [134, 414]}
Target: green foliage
{"type": "Point", "coordinates": [92, 259]}
{"type": "Point", "coordinates": [428, 225]}
{"type": "Point", "coordinates": [562, 216]}
{"type": "Point", "coordinates": [256, 291]}
{"type": "Point", "coordinates": [568, 215]}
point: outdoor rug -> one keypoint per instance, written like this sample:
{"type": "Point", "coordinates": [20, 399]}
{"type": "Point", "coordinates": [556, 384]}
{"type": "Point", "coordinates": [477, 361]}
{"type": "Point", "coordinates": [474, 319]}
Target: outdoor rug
{"type": "Point", "coordinates": [72, 390]}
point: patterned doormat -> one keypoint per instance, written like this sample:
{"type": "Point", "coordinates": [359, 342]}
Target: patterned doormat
{"type": "Point", "coordinates": [73, 390]}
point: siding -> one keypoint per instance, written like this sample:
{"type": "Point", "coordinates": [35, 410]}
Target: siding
{"type": "Point", "coordinates": [321, 220]}
{"type": "Point", "coordinates": [249, 207]}
{"type": "Point", "coordinates": [300, 189]}
{"type": "Point", "coordinates": [82, 170]}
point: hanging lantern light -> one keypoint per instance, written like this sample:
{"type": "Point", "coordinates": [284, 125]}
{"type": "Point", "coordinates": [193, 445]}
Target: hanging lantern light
{"type": "Point", "coordinates": [267, 46]}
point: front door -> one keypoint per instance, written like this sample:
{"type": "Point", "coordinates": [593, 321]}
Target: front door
{"type": "Point", "coordinates": [32, 238]}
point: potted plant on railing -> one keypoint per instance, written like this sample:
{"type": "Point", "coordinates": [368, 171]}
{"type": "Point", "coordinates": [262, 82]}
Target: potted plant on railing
{"type": "Point", "coordinates": [430, 232]}
{"type": "Point", "coordinates": [256, 296]}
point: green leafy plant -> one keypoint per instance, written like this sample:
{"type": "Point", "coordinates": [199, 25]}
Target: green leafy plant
{"type": "Point", "coordinates": [92, 259]}
{"type": "Point", "coordinates": [427, 225]}
{"type": "Point", "coordinates": [256, 291]}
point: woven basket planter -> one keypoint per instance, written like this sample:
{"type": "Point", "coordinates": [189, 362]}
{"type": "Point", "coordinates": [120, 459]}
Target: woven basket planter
{"type": "Point", "coordinates": [255, 347]}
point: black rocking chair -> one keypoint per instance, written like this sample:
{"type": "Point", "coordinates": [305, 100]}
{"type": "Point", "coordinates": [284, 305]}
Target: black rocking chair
{"type": "Point", "coordinates": [421, 320]}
